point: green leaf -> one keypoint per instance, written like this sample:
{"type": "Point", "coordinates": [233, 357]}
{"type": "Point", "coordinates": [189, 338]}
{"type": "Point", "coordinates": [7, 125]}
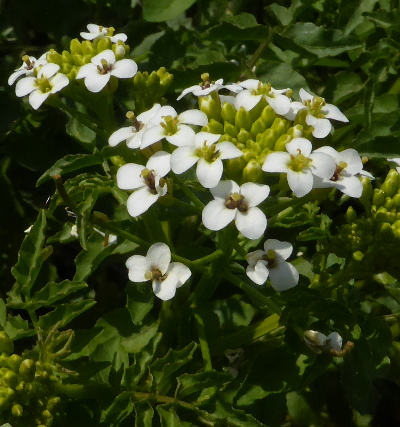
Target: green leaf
{"type": "Point", "coordinates": [390, 283]}
{"type": "Point", "coordinates": [71, 163]}
{"type": "Point", "coordinates": [144, 414]}
{"type": "Point", "coordinates": [165, 367]}
{"type": "Point", "coordinates": [119, 410]}
{"type": "Point", "coordinates": [348, 84]}
{"type": "Point", "coordinates": [80, 132]}
{"type": "Point", "coordinates": [15, 327]}
{"type": "Point", "coordinates": [286, 15]}
{"type": "Point", "coordinates": [164, 10]}
{"type": "Point", "coordinates": [168, 416]}
{"type": "Point", "coordinates": [140, 300]}
{"type": "Point", "coordinates": [85, 210]}
{"type": "Point", "coordinates": [299, 409]}
{"type": "Point", "coordinates": [31, 256]}
{"type": "Point", "coordinates": [193, 383]}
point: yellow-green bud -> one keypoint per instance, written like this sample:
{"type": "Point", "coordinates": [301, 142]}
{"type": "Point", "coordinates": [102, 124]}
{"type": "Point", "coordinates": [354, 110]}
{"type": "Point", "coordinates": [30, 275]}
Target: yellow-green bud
{"type": "Point", "coordinates": [386, 229]}
{"type": "Point", "coordinates": [378, 198]}
{"type": "Point", "coordinates": [10, 378]}
{"type": "Point", "coordinates": [53, 402]}
{"type": "Point", "coordinates": [14, 361]}
{"type": "Point", "coordinates": [75, 47]}
{"type": "Point", "coordinates": [210, 105]}
{"type": "Point", "coordinates": [267, 139]}
{"type": "Point", "coordinates": [396, 200]}
{"type": "Point", "coordinates": [153, 82]}
{"type": "Point", "coordinates": [78, 59]}
{"type": "Point", "coordinates": [103, 44]}
{"type": "Point", "coordinates": [17, 410]}
{"type": "Point", "coordinates": [280, 144]}
{"type": "Point", "coordinates": [243, 136]}
{"type": "Point", "coordinates": [279, 126]}
{"type": "Point", "coordinates": [381, 214]}
{"type": "Point", "coordinates": [295, 131]}
{"type": "Point", "coordinates": [358, 256]}
{"type": "Point", "coordinates": [66, 56]}
{"type": "Point", "coordinates": [6, 345]}
{"type": "Point", "coordinates": [252, 172]}
{"type": "Point", "coordinates": [164, 76]}
{"type": "Point", "coordinates": [391, 184]}
{"type": "Point", "coordinates": [388, 203]}
{"type": "Point", "coordinates": [88, 48]}
{"type": "Point", "coordinates": [268, 116]}
{"type": "Point", "coordinates": [257, 127]}
{"type": "Point", "coordinates": [396, 232]}
{"type": "Point", "coordinates": [228, 113]}
{"type": "Point", "coordinates": [139, 81]}
{"type": "Point", "coordinates": [242, 119]}
{"type": "Point", "coordinates": [27, 369]}
{"type": "Point", "coordinates": [66, 67]}
{"type": "Point", "coordinates": [350, 215]}
{"type": "Point", "coordinates": [215, 127]}
{"type": "Point", "coordinates": [230, 129]}
{"type": "Point", "coordinates": [54, 57]}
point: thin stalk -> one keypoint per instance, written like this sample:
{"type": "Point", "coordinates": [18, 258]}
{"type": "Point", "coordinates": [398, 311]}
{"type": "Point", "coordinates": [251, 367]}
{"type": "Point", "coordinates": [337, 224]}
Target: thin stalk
{"type": "Point", "coordinates": [204, 348]}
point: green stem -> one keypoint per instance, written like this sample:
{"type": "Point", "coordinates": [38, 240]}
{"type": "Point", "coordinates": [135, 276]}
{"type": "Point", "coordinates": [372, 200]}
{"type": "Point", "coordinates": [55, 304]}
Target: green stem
{"type": "Point", "coordinates": [189, 193]}
{"type": "Point", "coordinates": [208, 259]}
{"type": "Point", "coordinates": [260, 50]}
{"type": "Point", "coordinates": [204, 348]}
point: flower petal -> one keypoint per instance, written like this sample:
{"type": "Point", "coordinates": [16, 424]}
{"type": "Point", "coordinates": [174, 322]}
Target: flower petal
{"type": "Point", "coordinates": [96, 82]}
{"type": "Point", "coordinates": [276, 162]}
{"type": "Point", "coordinates": [246, 100]}
{"type": "Point", "coordinates": [165, 289]}
{"type": "Point", "coordinates": [129, 178]}
{"type": "Point", "coordinates": [160, 162]}
{"type": "Point", "coordinates": [58, 82]}
{"type": "Point", "coordinates": [180, 271]}
{"type": "Point", "coordinates": [187, 90]}
{"type": "Point", "coordinates": [305, 96]}
{"type": "Point", "coordinates": [119, 37]}
{"type": "Point", "coordinates": [148, 114]}
{"type": "Point", "coordinates": [322, 165]}
{"type": "Point", "coordinates": [205, 137]}
{"type": "Point", "coordinates": [250, 83]}
{"type": "Point", "coordinates": [279, 103]}
{"type": "Point", "coordinates": [135, 140]}
{"type": "Point", "coordinates": [193, 117]}
{"type": "Point", "coordinates": [334, 113]}
{"type": "Point", "coordinates": [253, 257]}
{"type": "Point", "coordinates": [140, 201]}
{"type": "Point", "coordinates": [216, 215]}
{"type": "Point", "coordinates": [223, 189]}
{"type": "Point", "coordinates": [107, 54]}
{"type": "Point", "coordinates": [14, 76]}
{"type": "Point", "coordinates": [120, 135]}
{"type": "Point", "coordinates": [48, 70]}
{"type": "Point", "coordinates": [254, 193]}
{"type": "Point", "coordinates": [252, 223]}
{"type": "Point", "coordinates": [137, 266]}
{"type": "Point", "coordinates": [209, 174]}
{"type": "Point", "coordinates": [299, 144]}
{"type": "Point", "coordinates": [353, 160]}
{"type": "Point", "coordinates": [322, 127]}
{"type": "Point", "coordinates": [159, 256]}
{"type": "Point", "coordinates": [184, 136]}
{"type": "Point", "coordinates": [86, 70]}
{"type": "Point", "coordinates": [301, 183]}
{"type": "Point", "coordinates": [283, 276]}
{"type": "Point", "coordinates": [36, 98]}
{"type": "Point", "coordinates": [335, 341]}
{"type": "Point", "coordinates": [228, 150]}
{"type": "Point", "coordinates": [284, 249]}
{"type": "Point", "coordinates": [152, 135]}
{"type": "Point", "coordinates": [258, 273]}
{"type": "Point", "coordinates": [25, 86]}
{"type": "Point", "coordinates": [124, 69]}
{"type": "Point", "coordinates": [350, 185]}
{"type": "Point", "coordinates": [182, 159]}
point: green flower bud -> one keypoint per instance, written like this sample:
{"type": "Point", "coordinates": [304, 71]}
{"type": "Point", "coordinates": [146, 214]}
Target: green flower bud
{"type": "Point", "coordinates": [385, 229]}
{"type": "Point", "coordinates": [295, 131]}
{"type": "Point", "coordinates": [231, 130]}
{"type": "Point", "coordinates": [27, 369]}
{"type": "Point", "coordinates": [54, 57]}
{"type": "Point", "coordinates": [252, 172]}
{"type": "Point", "coordinates": [17, 410]}
{"type": "Point", "coordinates": [53, 402]}
{"type": "Point", "coordinates": [242, 119]}
{"type": "Point", "coordinates": [388, 203]}
{"type": "Point", "coordinates": [268, 116]}
{"type": "Point", "coordinates": [279, 126]}
{"type": "Point", "coordinates": [396, 200]}
{"type": "Point", "coordinates": [210, 105]}
{"type": "Point", "coordinates": [358, 256]}
{"type": "Point", "coordinates": [366, 195]}
{"type": "Point", "coordinates": [257, 127]}
{"type": "Point", "coordinates": [267, 139]}
{"type": "Point", "coordinates": [66, 67]}
{"type": "Point", "coordinates": [396, 232]}
{"type": "Point", "coordinates": [46, 414]}
{"type": "Point", "coordinates": [243, 136]}
{"type": "Point", "coordinates": [153, 82]}
{"type": "Point", "coordinates": [280, 144]}
{"type": "Point", "coordinates": [228, 113]}
{"type": "Point", "coordinates": [10, 378]}
{"type": "Point", "coordinates": [214, 127]}
{"type": "Point", "coordinates": [165, 77]}
{"type": "Point", "coordinates": [102, 44]}
{"type": "Point", "coordinates": [391, 184]}
{"type": "Point", "coordinates": [378, 198]}
{"type": "Point", "coordinates": [351, 215]}
{"type": "Point", "coordinates": [66, 56]}
{"type": "Point", "coordinates": [88, 49]}
{"type": "Point", "coordinates": [77, 59]}
{"type": "Point", "coordinates": [3, 360]}
{"type": "Point", "coordinates": [75, 47]}
{"type": "Point", "coordinates": [139, 81]}
{"type": "Point", "coordinates": [381, 214]}
{"type": "Point", "coordinates": [6, 345]}
{"type": "Point", "coordinates": [14, 361]}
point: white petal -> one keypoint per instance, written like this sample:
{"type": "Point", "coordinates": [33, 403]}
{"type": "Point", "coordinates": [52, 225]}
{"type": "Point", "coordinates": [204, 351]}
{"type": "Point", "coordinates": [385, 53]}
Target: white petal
{"type": "Point", "coordinates": [135, 140]}
{"type": "Point", "coordinates": [137, 266]}
{"type": "Point", "coordinates": [353, 160]}
{"type": "Point", "coordinates": [182, 159]}
{"type": "Point", "coordinates": [48, 70]}
{"type": "Point", "coordinates": [369, 175]}
{"type": "Point", "coordinates": [96, 82]}
{"type": "Point", "coordinates": [180, 271]}
{"type": "Point", "coordinates": [124, 69]}
{"type": "Point", "coordinates": [216, 215]}
{"type": "Point", "coordinates": [246, 100]}
{"type": "Point", "coordinates": [184, 136]}
{"type": "Point", "coordinates": [330, 151]}
{"type": "Point", "coordinates": [58, 82]}
{"type": "Point", "coordinates": [86, 70]}
{"type": "Point", "coordinates": [25, 86]}
{"type": "Point", "coordinates": [252, 223]}
{"type": "Point", "coordinates": [254, 193]}
{"type": "Point", "coordinates": [258, 273]}
{"type": "Point", "coordinates": [297, 145]}
{"type": "Point", "coordinates": [233, 87]}
{"type": "Point", "coordinates": [279, 103]}
{"type": "Point", "coordinates": [335, 341]}
{"type": "Point", "coordinates": [253, 257]}
{"type": "Point", "coordinates": [36, 98]}
{"type": "Point", "coordinates": [120, 135]}
{"type": "Point", "coordinates": [334, 113]}
{"type": "Point", "coordinates": [209, 174]}
{"type": "Point", "coordinates": [284, 249]}
{"type": "Point", "coordinates": [149, 114]}
{"type": "Point", "coordinates": [14, 76]}
{"type": "Point", "coordinates": [228, 150]}
{"type": "Point", "coordinates": [129, 178]}
{"type": "Point", "coordinates": [107, 54]}
{"type": "Point", "coordinates": [283, 276]}
{"type": "Point", "coordinates": [202, 137]}
{"type": "Point", "coordinates": [88, 36]}
{"type": "Point", "coordinates": [276, 162]}
{"type": "Point", "coordinates": [322, 127]}
{"type": "Point", "coordinates": [322, 165]}
{"type": "Point", "coordinates": [304, 95]}
{"type": "Point", "coordinates": [187, 90]}
{"type": "Point", "coordinates": [395, 160]}
{"type": "Point", "coordinates": [140, 201]}
{"type": "Point", "coordinates": [349, 185]}
{"type": "Point", "coordinates": [160, 162]}
{"type": "Point", "coordinates": [165, 289]}
{"type": "Point", "coordinates": [223, 189]}
{"type": "Point", "coordinates": [159, 256]}
{"type": "Point", "coordinates": [227, 98]}
{"type": "Point", "coordinates": [250, 83]}
{"type": "Point", "coordinates": [193, 117]}
{"type": "Point", "coordinates": [152, 135]}
{"type": "Point", "coordinates": [94, 28]}
{"type": "Point", "coordinates": [301, 183]}
{"type": "Point", "coordinates": [119, 37]}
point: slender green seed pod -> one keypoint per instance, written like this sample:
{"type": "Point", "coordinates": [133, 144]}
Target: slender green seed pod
{"type": "Point", "coordinates": [391, 184]}
{"type": "Point", "coordinates": [75, 47]}
{"type": "Point", "coordinates": [228, 113]}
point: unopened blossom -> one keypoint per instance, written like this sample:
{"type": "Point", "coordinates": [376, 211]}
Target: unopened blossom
{"type": "Point", "coordinates": [39, 88]}
{"type": "Point", "coordinates": [102, 66]}
{"type": "Point", "coordinates": [28, 67]}
{"type": "Point", "coordinates": [166, 276]}
{"type": "Point", "coordinates": [208, 154]}
{"type": "Point", "coordinates": [133, 134]}
{"type": "Point", "coordinates": [345, 177]}
{"type": "Point", "coordinates": [271, 262]}
{"type": "Point", "coordinates": [234, 203]}
{"type": "Point", "coordinates": [318, 113]}
{"type": "Point", "coordinates": [254, 91]}
{"type": "Point", "coordinates": [97, 32]}
{"type": "Point", "coordinates": [207, 86]}
{"type": "Point", "coordinates": [300, 165]}
{"type": "Point", "coordinates": [319, 342]}
{"type": "Point", "coordinates": [174, 127]}
{"type": "Point", "coordinates": [147, 181]}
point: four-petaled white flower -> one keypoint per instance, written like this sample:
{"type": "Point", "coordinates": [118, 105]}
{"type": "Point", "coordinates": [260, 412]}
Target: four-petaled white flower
{"type": "Point", "coordinates": [318, 113]}
{"type": "Point", "coordinates": [174, 127]}
{"type": "Point", "coordinates": [232, 202]}
{"type": "Point", "coordinates": [97, 31]}
{"type": "Point", "coordinates": [133, 134]}
{"type": "Point", "coordinates": [156, 266]}
{"type": "Point", "coordinates": [319, 342]}
{"type": "Point", "coordinates": [300, 165]}
{"type": "Point", "coordinates": [39, 88]}
{"type": "Point", "coordinates": [348, 165]}
{"type": "Point", "coordinates": [271, 263]}
{"type": "Point", "coordinates": [98, 73]}
{"type": "Point", "coordinates": [147, 180]}
{"type": "Point", "coordinates": [207, 154]}
{"type": "Point", "coordinates": [254, 91]}
{"type": "Point", "coordinates": [28, 67]}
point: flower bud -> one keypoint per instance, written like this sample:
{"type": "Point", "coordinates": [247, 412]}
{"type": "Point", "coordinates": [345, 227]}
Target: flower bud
{"type": "Point", "coordinates": [17, 410]}
{"type": "Point", "coordinates": [75, 47]}
{"type": "Point", "coordinates": [358, 256]}
{"type": "Point", "coordinates": [391, 184]}
{"type": "Point", "coordinates": [388, 203]}
{"type": "Point", "coordinates": [66, 56]}
{"type": "Point", "coordinates": [214, 127]}
{"type": "Point", "coordinates": [268, 116]}
{"type": "Point", "coordinates": [295, 131]}
{"type": "Point", "coordinates": [351, 215]}
{"type": "Point", "coordinates": [378, 198]}
{"type": "Point", "coordinates": [27, 369]}
{"type": "Point", "coordinates": [257, 127]}
{"type": "Point", "coordinates": [243, 136]}
{"type": "Point", "coordinates": [103, 44]}
{"type": "Point", "coordinates": [267, 139]}
{"type": "Point", "coordinates": [53, 402]}
{"type": "Point", "coordinates": [396, 200]}
{"type": "Point", "coordinates": [230, 129]}
{"type": "Point", "coordinates": [14, 361]}
{"type": "Point", "coordinates": [54, 57]}
{"type": "Point", "coordinates": [228, 113]}
{"type": "Point", "coordinates": [279, 126]}
{"type": "Point", "coordinates": [280, 143]}
{"type": "Point", "coordinates": [88, 48]}
{"type": "Point", "coordinates": [242, 119]}
{"type": "Point", "coordinates": [165, 77]}
{"type": "Point", "coordinates": [252, 172]}
{"type": "Point", "coordinates": [78, 59]}
{"type": "Point", "coordinates": [6, 345]}
{"type": "Point", "coordinates": [210, 105]}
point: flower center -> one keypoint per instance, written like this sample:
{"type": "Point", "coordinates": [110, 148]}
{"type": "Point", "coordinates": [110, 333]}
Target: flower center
{"type": "Point", "coordinates": [263, 89]}
{"type": "Point", "coordinates": [339, 168]}
{"type": "Point", "coordinates": [299, 162]}
{"type": "Point", "coordinates": [315, 106]}
{"type": "Point", "coordinates": [155, 274]}
{"type": "Point", "coordinates": [43, 84]}
{"type": "Point", "coordinates": [130, 115]}
{"type": "Point", "coordinates": [170, 125]}
{"type": "Point", "coordinates": [208, 152]}
{"type": "Point", "coordinates": [149, 179]}
{"type": "Point", "coordinates": [28, 63]}
{"type": "Point", "coordinates": [236, 201]}
{"type": "Point", "coordinates": [270, 257]}
{"type": "Point", "coordinates": [105, 67]}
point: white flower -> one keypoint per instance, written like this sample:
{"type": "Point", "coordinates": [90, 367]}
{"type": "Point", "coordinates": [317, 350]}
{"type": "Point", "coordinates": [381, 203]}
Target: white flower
{"type": "Point", "coordinates": [174, 128]}
{"type": "Point", "coordinates": [207, 86]}
{"type": "Point", "coordinates": [146, 180]}
{"type": "Point", "coordinates": [207, 154]}
{"type": "Point", "coordinates": [133, 134]}
{"type": "Point", "coordinates": [318, 113]}
{"type": "Point", "coordinates": [156, 266]}
{"type": "Point", "coordinates": [397, 161]}
{"type": "Point", "coordinates": [300, 165]}
{"type": "Point", "coordinates": [256, 90]}
{"type": "Point", "coordinates": [98, 73]}
{"type": "Point", "coordinates": [28, 67]}
{"type": "Point", "coordinates": [232, 202]}
{"type": "Point", "coordinates": [97, 31]}
{"type": "Point", "coordinates": [39, 88]}
{"type": "Point", "coordinates": [348, 165]}
{"type": "Point", "coordinates": [319, 342]}
{"type": "Point", "coordinates": [271, 262]}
